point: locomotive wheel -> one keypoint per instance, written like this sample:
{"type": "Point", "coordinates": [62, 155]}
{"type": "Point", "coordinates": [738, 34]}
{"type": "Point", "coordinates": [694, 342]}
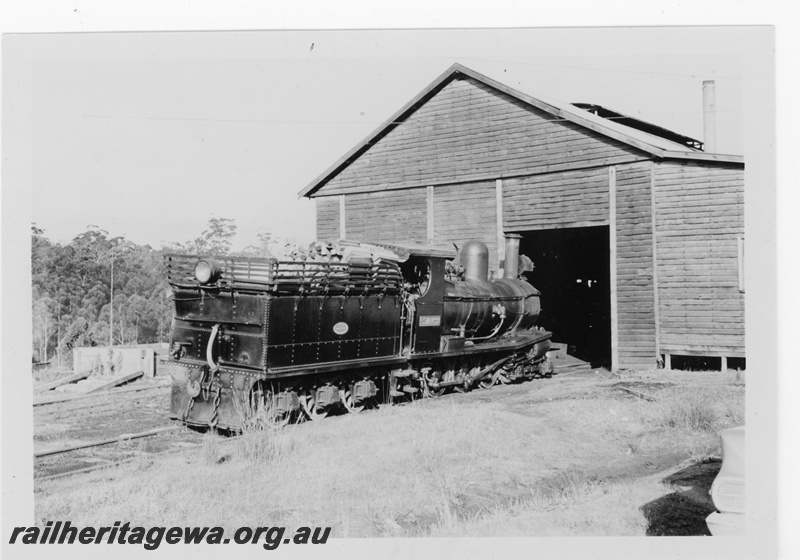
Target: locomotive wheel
{"type": "Point", "coordinates": [461, 369]}
{"type": "Point", "coordinates": [429, 392]}
{"type": "Point", "coordinates": [347, 399]}
{"type": "Point", "coordinates": [502, 379]}
{"type": "Point", "coordinates": [488, 381]}
{"type": "Point", "coordinates": [309, 405]}
{"type": "Point", "coordinates": [514, 376]}
{"type": "Point", "coordinates": [431, 373]}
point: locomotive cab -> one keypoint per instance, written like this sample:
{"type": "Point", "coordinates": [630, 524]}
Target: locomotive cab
{"type": "Point", "coordinates": [424, 276]}
{"type": "Point", "coordinates": [450, 306]}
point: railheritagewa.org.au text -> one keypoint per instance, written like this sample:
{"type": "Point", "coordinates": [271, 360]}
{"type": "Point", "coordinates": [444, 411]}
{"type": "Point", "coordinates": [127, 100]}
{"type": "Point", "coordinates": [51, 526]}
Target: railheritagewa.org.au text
{"type": "Point", "coordinates": [270, 538]}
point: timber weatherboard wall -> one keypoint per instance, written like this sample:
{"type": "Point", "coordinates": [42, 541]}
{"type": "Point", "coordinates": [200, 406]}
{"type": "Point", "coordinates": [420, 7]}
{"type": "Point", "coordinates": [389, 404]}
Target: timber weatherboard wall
{"type": "Point", "coordinates": [472, 159]}
{"type": "Point", "coordinates": [636, 318]}
{"type": "Point", "coordinates": [327, 217]}
{"type": "Point", "coordinates": [387, 216]}
{"type": "Point", "coordinates": [556, 200]}
{"type": "Point", "coordinates": [470, 132]}
{"type": "Point", "coordinates": [467, 211]}
{"type": "Point", "coordinates": [699, 218]}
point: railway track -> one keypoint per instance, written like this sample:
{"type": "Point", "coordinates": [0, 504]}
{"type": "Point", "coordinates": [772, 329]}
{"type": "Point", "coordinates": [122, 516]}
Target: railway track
{"type": "Point", "coordinates": [104, 430]}
{"type": "Point", "coordinates": [95, 404]}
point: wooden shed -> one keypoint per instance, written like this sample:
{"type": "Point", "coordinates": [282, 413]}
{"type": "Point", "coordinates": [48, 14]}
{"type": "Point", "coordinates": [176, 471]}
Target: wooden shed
{"type": "Point", "coordinates": [636, 233]}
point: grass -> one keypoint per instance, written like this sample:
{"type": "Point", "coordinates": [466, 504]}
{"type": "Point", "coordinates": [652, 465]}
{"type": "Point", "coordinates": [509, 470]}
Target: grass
{"type": "Point", "coordinates": [568, 457]}
{"type": "Point", "coordinates": [709, 410]}
{"type": "Point", "coordinates": [579, 507]}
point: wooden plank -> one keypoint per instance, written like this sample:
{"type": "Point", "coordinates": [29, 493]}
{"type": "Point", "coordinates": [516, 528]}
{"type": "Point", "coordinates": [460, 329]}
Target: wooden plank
{"type": "Point", "coordinates": [51, 398]}
{"type": "Point", "coordinates": [429, 213]}
{"type": "Point", "coordinates": [63, 381]}
{"type": "Point", "coordinates": [97, 443]}
{"type": "Point", "coordinates": [116, 382]}
{"type": "Point", "coordinates": [367, 185]}
{"type": "Point", "coordinates": [68, 407]}
{"type": "Point", "coordinates": [612, 243]}
{"type": "Point", "coordinates": [558, 208]}
{"type": "Point", "coordinates": [702, 338]}
{"type": "Point", "coordinates": [512, 227]}
{"type": "Point", "coordinates": [704, 344]}
{"type": "Point", "coordinates": [706, 351]}
{"type": "Point", "coordinates": [342, 217]}
{"type": "Point", "coordinates": [498, 202]}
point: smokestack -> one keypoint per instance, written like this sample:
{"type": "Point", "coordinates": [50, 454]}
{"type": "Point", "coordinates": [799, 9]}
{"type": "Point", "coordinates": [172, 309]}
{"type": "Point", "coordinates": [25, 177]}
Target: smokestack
{"type": "Point", "coordinates": [709, 117]}
{"type": "Point", "coordinates": [511, 264]}
{"type": "Point", "coordinates": [474, 257]}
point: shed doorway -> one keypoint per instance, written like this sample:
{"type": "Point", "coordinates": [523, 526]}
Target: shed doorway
{"type": "Point", "coordinates": [572, 272]}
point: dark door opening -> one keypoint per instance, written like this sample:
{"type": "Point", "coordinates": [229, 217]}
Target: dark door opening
{"type": "Point", "coordinates": [572, 272]}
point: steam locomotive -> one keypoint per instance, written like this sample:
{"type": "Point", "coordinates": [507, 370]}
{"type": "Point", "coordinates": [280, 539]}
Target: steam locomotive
{"type": "Point", "coordinates": [344, 327]}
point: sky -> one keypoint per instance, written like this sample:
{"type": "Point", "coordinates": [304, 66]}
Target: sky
{"type": "Point", "coordinates": [148, 135]}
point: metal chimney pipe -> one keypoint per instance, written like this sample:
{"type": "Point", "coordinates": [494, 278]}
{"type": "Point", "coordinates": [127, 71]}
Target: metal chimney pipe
{"type": "Point", "coordinates": [511, 264]}
{"type": "Point", "coordinates": [709, 116]}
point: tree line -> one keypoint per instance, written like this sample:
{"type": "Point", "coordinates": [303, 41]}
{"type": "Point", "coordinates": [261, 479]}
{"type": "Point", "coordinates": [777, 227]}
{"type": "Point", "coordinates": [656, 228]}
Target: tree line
{"type": "Point", "coordinates": [99, 290]}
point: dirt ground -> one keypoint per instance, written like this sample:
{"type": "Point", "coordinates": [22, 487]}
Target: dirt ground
{"type": "Point", "coordinates": [113, 415]}
{"type": "Point", "coordinates": [574, 445]}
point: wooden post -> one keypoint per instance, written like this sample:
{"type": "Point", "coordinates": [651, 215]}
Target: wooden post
{"type": "Point", "coordinates": [740, 245]}
{"type": "Point", "coordinates": [667, 361]}
{"type": "Point", "coordinates": [430, 215]}
{"type": "Point", "coordinates": [501, 247]}
{"type": "Point", "coordinates": [342, 229]}
{"type": "Point", "coordinates": [612, 245]}
{"type": "Point", "coordinates": [723, 363]}
{"type": "Point", "coordinates": [655, 259]}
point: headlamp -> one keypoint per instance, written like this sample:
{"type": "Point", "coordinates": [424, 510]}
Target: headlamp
{"type": "Point", "coordinates": [207, 271]}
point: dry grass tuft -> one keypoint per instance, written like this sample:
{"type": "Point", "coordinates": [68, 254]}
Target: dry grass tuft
{"type": "Point", "coordinates": [262, 439]}
{"type": "Point", "coordinates": [699, 411]}
{"type": "Point", "coordinates": [263, 445]}
{"type": "Point", "coordinates": [693, 411]}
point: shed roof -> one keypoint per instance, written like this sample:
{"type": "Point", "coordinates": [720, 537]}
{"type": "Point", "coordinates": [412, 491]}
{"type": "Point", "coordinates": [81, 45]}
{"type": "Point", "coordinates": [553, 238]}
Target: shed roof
{"type": "Point", "coordinates": [661, 145]}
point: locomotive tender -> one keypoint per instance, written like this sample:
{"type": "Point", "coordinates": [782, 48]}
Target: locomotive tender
{"type": "Point", "coordinates": [346, 326]}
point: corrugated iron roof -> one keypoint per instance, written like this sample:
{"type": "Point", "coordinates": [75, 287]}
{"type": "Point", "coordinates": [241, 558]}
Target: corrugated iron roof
{"type": "Point", "coordinates": [639, 124]}
{"type": "Point", "coordinates": [660, 146]}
